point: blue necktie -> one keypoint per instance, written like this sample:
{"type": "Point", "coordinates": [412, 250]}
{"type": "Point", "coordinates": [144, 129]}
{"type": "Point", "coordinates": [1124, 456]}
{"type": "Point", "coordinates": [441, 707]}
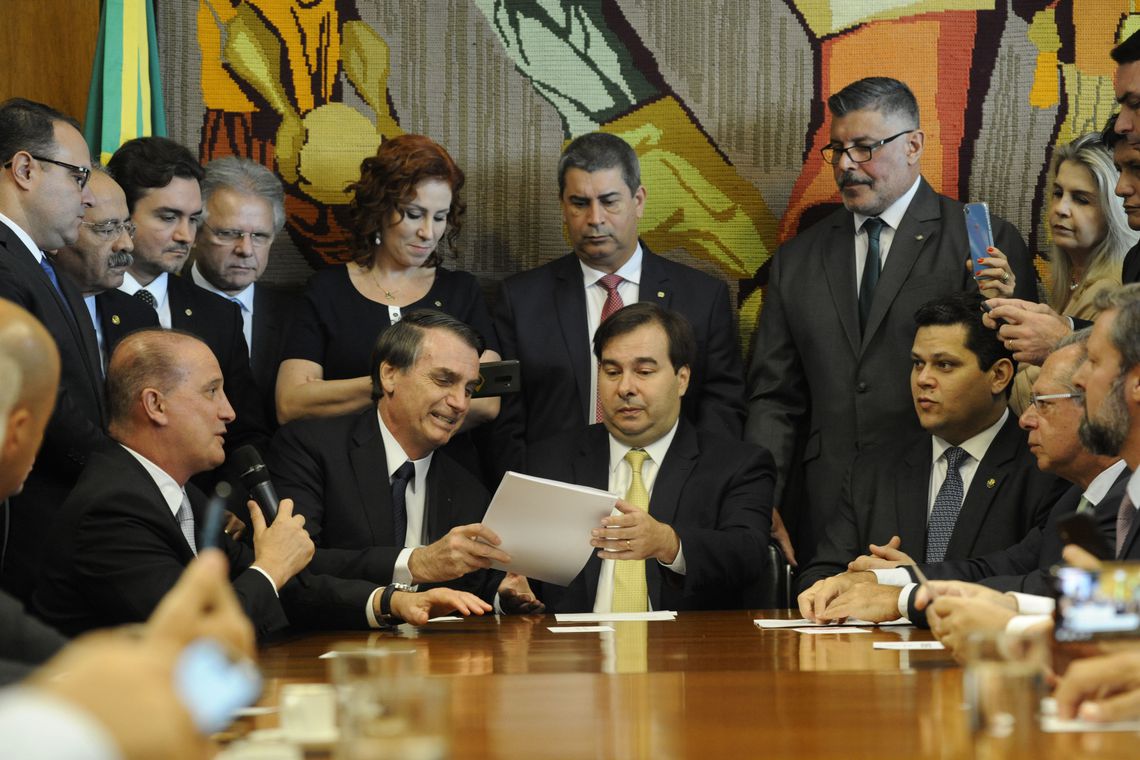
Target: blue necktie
{"type": "Point", "coordinates": [871, 269]}
{"type": "Point", "coordinates": [49, 270]}
{"type": "Point", "coordinates": [400, 479]}
{"type": "Point", "coordinates": [947, 504]}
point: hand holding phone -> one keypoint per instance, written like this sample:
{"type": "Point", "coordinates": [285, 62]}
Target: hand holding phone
{"type": "Point", "coordinates": [212, 684]}
{"type": "Point", "coordinates": [979, 233]}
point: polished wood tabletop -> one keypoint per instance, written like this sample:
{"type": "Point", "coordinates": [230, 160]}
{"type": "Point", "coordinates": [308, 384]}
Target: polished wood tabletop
{"type": "Point", "coordinates": [706, 685]}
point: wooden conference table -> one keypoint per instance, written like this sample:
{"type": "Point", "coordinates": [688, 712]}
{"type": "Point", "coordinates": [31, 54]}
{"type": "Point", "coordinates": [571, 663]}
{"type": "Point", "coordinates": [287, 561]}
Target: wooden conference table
{"type": "Point", "coordinates": [706, 685]}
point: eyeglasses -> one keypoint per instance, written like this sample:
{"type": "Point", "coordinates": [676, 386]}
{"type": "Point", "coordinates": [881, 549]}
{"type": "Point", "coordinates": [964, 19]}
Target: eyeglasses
{"type": "Point", "coordinates": [256, 239]}
{"type": "Point", "coordinates": [79, 173]}
{"type": "Point", "coordinates": [859, 154]}
{"type": "Point", "coordinates": [111, 230]}
{"type": "Point", "coordinates": [1044, 402]}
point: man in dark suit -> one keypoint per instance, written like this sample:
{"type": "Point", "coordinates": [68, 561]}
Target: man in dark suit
{"type": "Point", "coordinates": [160, 179]}
{"type": "Point", "coordinates": [97, 261]}
{"type": "Point", "coordinates": [692, 530]}
{"type": "Point", "coordinates": [380, 501]}
{"type": "Point", "coordinates": [244, 210]}
{"type": "Point", "coordinates": [966, 486]}
{"type": "Point", "coordinates": [546, 317]}
{"type": "Point", "coordinates": [43, 195]}
{"type": "Point", "coordinates": [29, 379]}
{"type": "Point", "coordinates": [120, 543]}
{"type": "Point", "coordinates": [830, 355]}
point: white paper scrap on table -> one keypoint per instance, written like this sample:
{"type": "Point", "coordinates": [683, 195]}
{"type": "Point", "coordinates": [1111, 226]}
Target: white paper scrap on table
{"type": "Point", "coordinates": [613, 617]}
{"type": "Point", "coordinates": [766, 623]}
{"type": "Point", "coordinates": [446, 619]}
{"type": "Point", "coordinates": [580, 628]}
{"type": "Point", "coordinates": [832, 629]}
{"type": "Point", "coordinates": [929, 645]}
{"type": "Point", "coordinates": [545, 525]}
{"type": "Point", "coordinates": [1051, 724]}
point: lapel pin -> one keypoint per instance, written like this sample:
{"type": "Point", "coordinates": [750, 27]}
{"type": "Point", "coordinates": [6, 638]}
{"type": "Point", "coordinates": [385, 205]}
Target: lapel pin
{"type": "Point", "coordinates": [660, 293]}
{"type": "Point", "coordinates": [918, 237]}
{"type": "Point", "coordinates": [439, 304]}
{"type": "Point", "coordinates": [991, 483]}
{"type": "Point", "coordinates": [189, 312]}
{"type": "Point", "coordinates": [115, 319]}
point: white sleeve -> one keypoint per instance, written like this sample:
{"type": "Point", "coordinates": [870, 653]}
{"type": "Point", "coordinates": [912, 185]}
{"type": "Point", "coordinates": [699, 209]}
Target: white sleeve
{"type": "Point", "coordinates": [895, 576]}
{"type": "Point", "coordinates": [36, 724]}
{"type": "Point", "coordinates": [1031, 604]}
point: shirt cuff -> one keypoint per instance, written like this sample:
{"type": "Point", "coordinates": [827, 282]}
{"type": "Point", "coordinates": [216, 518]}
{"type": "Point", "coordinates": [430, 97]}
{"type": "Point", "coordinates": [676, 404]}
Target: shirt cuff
{"type": "Point", "coordinates": [1022, 623]}
{"type": "Point", "coordinates": [904, 599]}
{"type": "Point", "coordinates": [1072, 325]}
{"type": "Point", "coordinates": [400, 572]}
{"type": "Point", "coordinates": [370, 609]}
{"type": "Point", "coordinates": [272, 585]}
{"type": "Point", "coordinates": [678, 564]}
{"type": "Point", "coordinates": [38, 724]}
{"type": "Point", "coordinates": [894, 576]}
{"type": "Point", "coordinates": [1031, 604]}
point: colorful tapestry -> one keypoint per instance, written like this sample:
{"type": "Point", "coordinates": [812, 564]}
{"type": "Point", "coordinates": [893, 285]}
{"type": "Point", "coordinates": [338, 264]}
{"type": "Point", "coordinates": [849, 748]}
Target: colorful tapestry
{"type": "Point", "coordinates": [722, 99]}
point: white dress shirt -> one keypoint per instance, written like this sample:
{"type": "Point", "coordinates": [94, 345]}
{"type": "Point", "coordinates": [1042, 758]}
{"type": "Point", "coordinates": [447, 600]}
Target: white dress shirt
{"type": "Point", "coordinates": [629, 290]}
{"type": "Point", "coordinates": [93, 312]}
{"type": "Point", "coordinates": [24, 237]}
{"type": "Point", "coordinates": [37, 724]}
{"type": "Point", "coordinates": [892, 217]}
{"type": "Point", "coordinates": [244, 300]}
{"type": "Point", "coordinates": [621, 474]}
{"type": "Point", "coordinates": [157, 288]}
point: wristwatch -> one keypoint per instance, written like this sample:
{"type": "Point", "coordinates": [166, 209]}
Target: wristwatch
{"type": "Point", "coordinates": [386, 602]}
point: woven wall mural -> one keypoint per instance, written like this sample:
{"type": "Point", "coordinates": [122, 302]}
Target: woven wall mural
{"type": "Point", "coordinates": [722, 99]}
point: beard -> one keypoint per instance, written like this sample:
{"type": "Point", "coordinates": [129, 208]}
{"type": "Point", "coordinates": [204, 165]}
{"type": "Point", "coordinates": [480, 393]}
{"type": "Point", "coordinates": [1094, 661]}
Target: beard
{"type": "Point", "coordinates": [1106, 434]}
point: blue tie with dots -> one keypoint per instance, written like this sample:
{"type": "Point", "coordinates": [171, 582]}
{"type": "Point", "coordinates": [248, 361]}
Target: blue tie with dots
{"type": "Point", "coordinates": [946, 506]}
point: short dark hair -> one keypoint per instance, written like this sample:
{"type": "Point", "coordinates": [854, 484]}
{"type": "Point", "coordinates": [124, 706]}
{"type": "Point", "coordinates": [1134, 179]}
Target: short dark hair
{"type": "Point", "coordinates": [399, 345]}
{"type": "Point", "coordinates": [28, 125]}
{"type": "Point", "coordinates": [146, 163]}
{"type": "Point", "coordinates": [966, 309]}
{"type": "Point", "coordinates": [883, 94]}
{"type": "Point", "coordinates": [1127, 51]}
{"type": "Point", "coordinates": [1109, 136]}
{"type": "Point", "coordinates": [678, 331]}
{"type": "Point", "coordinates": [153, 364]}
{"type": "Point", "coordinates": [597, 151]}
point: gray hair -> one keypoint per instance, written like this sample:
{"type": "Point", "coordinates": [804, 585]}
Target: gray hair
{"type": "Point", "coordinates": [247, 177]}
{"type": "Point", "coordinates": [597, 151]}
{"type": "Point", "coordinates": [888, 96]}
{"type": "Point", "coordinates": [399, 345]}
{"type": "Point", "coordinates": [1125, 333]}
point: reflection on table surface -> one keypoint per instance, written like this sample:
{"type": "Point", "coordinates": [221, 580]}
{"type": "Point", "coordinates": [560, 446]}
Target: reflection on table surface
{"type": "Point", "coordinates": [708, 684]}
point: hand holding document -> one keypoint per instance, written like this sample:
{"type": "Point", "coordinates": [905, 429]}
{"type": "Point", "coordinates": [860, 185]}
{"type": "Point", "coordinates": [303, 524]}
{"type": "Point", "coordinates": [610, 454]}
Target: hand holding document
{"type": "Point", "coordinates": [545, 525]}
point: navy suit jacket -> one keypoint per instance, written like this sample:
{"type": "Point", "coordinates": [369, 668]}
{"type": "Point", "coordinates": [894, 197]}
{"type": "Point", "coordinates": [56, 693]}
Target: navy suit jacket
{"type": "Point", "coordinates": [119, 314]}
{"type": "Point", "coordinates": [76, 427]}
{"type": "Point", "coordinates": [540, 318]}
{"type": "Point", "coordinates": [887, 493]}
{"type": "Point", "coordinates": [715, 492]}
{"type": "Point", "coordinates": [117, 549]}
{"type": "Point", "coordinates": [335, 471]}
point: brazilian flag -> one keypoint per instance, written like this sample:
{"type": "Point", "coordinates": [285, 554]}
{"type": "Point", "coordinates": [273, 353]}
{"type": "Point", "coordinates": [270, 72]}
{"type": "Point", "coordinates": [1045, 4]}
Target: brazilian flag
{"type": "Point", "coordinates": [125, 100]}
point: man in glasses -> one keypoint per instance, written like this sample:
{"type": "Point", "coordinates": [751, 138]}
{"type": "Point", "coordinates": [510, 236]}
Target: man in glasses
{"type": "Point", "coordinates": [244, 211]}
{"type": "Point", "coordinates": [43, 195]}
{"type": "Point", "coordinates": [98, 260]}
{"type": "Point", "coordinates": [829, 367]}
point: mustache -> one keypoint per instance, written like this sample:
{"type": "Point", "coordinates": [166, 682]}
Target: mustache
{"type": "Point", "coordinates": [850, 178]}
{"type": "Point", "coordinates": [119, 259]}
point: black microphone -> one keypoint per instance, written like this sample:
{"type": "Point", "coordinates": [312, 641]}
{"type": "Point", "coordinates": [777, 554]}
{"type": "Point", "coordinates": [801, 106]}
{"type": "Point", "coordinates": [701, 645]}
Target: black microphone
{"type": "Point", "coordinates": [254, 475]}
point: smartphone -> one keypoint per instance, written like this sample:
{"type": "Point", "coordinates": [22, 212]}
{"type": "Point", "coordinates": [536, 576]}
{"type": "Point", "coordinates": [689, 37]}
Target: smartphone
{"type": "Point", "coordinates": [979, 233]}
{"type": "Point", "coordinates": [1097, 604]}
{"type": "Point", "coordinates": [213, 685]}
{"type": "Point", "coordinates": [1081, 529]}
{"type": "Point", "coordinates": [497, 379]}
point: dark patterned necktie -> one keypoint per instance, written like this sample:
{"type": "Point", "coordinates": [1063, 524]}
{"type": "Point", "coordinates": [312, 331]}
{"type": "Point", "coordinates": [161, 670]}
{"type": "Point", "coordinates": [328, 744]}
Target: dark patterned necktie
{"type": "Point", "coordinates": [400, 479]}
{"type": "Point", "coordinates": [873, 226]}
{"type": "Point", "coordinates": [146, 297]}
{"type": "Point", "coordinates": [946, 506]}
{"type": "Point", "coordinates": [1124, 518]}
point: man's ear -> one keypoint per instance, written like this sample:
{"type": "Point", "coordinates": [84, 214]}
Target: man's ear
{"type": "Point", "coordinates": [1001, 375]}
{"type": "Point", "coordinates": [16, 433]}
{"type": "Point", "coordinates": [154, 405]}
{"type": "Point", "coordinates": [388, 378]}
{"type": "Point", "coordinates": [1132, 385]}
{"type": "Point", "coordinates": [683, 379]}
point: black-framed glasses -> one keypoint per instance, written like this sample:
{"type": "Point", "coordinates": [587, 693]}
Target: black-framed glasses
{"type": "Point", "coordinates": [111, 230]}
{"type": "Point", "coordinates": [859, 154]}
{"type": "Point", "coordinates": [80, 173]}
{"type": "Point", "coordinates": [256, 239]}
{"type": "Point", "coordinates": [1044, 401]}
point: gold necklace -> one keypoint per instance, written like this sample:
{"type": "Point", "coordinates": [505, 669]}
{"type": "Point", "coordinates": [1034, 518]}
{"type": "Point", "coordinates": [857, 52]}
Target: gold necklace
{"type": "Point", "coordinates": [389, 294]}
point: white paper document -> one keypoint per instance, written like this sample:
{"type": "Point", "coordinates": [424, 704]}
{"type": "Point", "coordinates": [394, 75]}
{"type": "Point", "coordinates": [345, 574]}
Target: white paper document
{"type": "Point", "coordinates": [831, 629]}
{"type": "Point", "coordinates": [613, 617]}
{"type": "Point", "coordinates": [805, 623]}
{"type": "Point", "coordinates": [580, 628]}
{"type": "Point", "coordinates": [545, 525]}
{"type": "Point", "coordinates": [928, 645]}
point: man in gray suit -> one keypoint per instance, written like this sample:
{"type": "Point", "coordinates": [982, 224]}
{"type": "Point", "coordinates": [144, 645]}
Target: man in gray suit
{"type": "Point", "coordinates": [831, 354]}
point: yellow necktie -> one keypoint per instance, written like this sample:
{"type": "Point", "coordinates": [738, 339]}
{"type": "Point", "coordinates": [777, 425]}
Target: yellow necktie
{"type": "Point", "coordinates": [630, 591]}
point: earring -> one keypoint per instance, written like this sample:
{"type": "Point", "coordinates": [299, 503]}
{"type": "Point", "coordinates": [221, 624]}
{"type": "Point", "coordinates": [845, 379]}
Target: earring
{"type": "Point", "coordinates": [376, 239]}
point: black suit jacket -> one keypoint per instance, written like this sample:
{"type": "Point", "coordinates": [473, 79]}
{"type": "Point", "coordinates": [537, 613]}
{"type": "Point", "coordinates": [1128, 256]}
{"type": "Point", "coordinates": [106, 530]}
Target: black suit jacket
{"type": "Point", "coordinates": [25, 642]}
{"type": "Point", "coordinates": [540, 318]}
{"type": "Point", "coordinates": [273, 312]}
{"type": "Point", "coordinates": [116, 550]}
{"type": "Point", "coordinates": [119, 315]}
{"type": "Point", "coordinates": [1130, 272]}
{"type": "Point", "coordinates": [715, 492]}
{"type": "Point", "coordinates": [819, 389]}
{"type": "Point", "coordinates": [887, 493]}
{"type": "Point", "coordinates": [335, 471]}
{"type": "Point", "coordinates": [76, 426]}
{"type": "Point", "coordinates": [1025, 565]}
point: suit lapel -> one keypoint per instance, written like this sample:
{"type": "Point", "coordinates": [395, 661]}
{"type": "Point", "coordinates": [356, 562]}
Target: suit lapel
{"type": "Point", "coordinates": [591, 468]}
{"type": "Point", "coordinates": [918, 228]}
{"type": "Point", "coordinates": [672, 474]}
{"type": "Point", "coordinates": [912, 497]}
{"type": "Point", "coordinates": [131, 467]}
{"type": "Point", "coordinates": [839, 254]}
{"type": "Point", "coordinates": [266, 327]}
{"type": "Point", "coordinates": [655, 286]}
{"type": "Point", "coordinates": [570, 307]}
{"type": "Point", "coordinates": [370, 471]}
{"type": "Point", "coordinates": [440, 509]}
{"type": "Point", "coordinates": [989, 479]}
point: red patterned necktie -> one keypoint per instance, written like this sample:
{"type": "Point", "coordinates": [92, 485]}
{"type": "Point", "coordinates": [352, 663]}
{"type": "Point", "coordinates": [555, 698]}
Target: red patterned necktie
{"type": "Point", "coordinates": [613, 303]}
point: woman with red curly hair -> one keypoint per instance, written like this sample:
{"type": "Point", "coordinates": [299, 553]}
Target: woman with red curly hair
{"type": "Point", "coordinates": [404, 205]}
